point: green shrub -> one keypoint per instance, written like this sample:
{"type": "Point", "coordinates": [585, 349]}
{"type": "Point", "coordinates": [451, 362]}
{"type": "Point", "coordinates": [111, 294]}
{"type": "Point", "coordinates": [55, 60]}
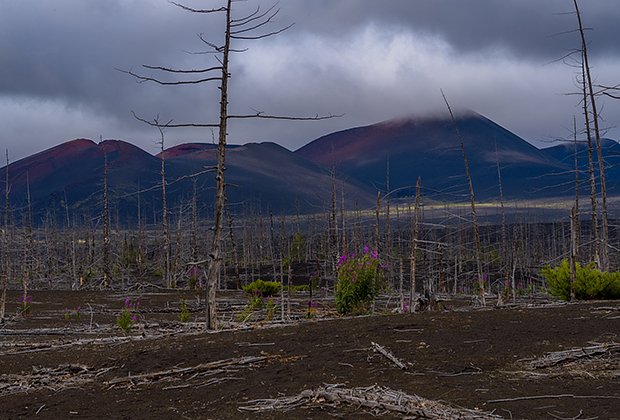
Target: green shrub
{"type": "Point", "coordinates": [185, 314]}
{"type": "Point", "coordinates": [129, 316]}
{"type": "Point", "coordinates": [360, 280]}
{"type": "Point", "coordinates": [263, 288]}
{"type": "Point", "coordinates": [590, 283]}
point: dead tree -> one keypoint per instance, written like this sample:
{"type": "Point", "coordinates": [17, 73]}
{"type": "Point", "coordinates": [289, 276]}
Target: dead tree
{"type": "Point", "coordinates": [106, 224]}
{"type": "Point", "coordinates": [604, 250]}
{"type": "Point", "coordinates": [6, 267]}
{"type": "Point", "coordinates": [474, 216]}
{"type": "Point", "coordinates": [415, 233]}
{"type": "Point", "coordinates": [504, 244]}
{"type": "Point", "coordinates": [236, 29]}
{"type": "Point", "coordinates": [591, 172]}
{"type": "Point", "coordinates": [166, 272]}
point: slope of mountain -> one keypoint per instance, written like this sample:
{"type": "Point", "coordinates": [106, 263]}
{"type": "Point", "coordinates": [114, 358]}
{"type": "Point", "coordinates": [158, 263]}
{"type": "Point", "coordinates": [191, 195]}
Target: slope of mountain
{"type": "Point", "coordinates": [430, 148]}
{"type": "Point", "coordinates": [73, 171]}
{"type": "Point", "coordinates": [565, 153]}
{"type": "Point", "coordinates": [265, 175]}
{"type": "Point", "coordinates": [269, 174]}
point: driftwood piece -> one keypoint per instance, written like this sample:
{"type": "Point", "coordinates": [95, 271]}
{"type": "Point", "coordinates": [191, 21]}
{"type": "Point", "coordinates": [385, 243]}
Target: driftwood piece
{"type": "Point", "coordinates": [374, 398]}
{"type": "Point", "coordinates": [564, 356]}
{"type": "Point", "coordinates": [378, 348]}
{"type": "Point", "coordinates": [61, 377]}
{"type": "Point", "coordinates": [175, 372]}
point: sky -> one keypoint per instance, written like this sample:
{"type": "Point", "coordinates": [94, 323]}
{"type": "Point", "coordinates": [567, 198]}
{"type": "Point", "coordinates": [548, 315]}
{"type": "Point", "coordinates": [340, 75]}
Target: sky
{"type": "Point", "coordinates": [369, 60]}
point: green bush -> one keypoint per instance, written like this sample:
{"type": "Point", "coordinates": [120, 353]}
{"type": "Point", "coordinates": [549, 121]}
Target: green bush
{"type": "Point", "coordinates": [590, 283]}
{"type": "Point", "coordinates": [185, 315]}
{"type": "Point", "coordinates": [360, 280]}
{"type": "Point", "coordinates": [263, 288]}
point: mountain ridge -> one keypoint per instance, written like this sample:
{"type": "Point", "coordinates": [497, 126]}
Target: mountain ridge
{"type": "Point", "coordinates": [70, 175]}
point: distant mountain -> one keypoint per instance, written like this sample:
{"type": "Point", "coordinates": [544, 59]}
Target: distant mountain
{"type": "Point", "coordinates": [430, 148]}
{"type": "Point", "coordinates": [268, 174]}
{"type": "Point", "coordinates": [261, 176]}
{"type": "Point", "coordinates": [565, 153]}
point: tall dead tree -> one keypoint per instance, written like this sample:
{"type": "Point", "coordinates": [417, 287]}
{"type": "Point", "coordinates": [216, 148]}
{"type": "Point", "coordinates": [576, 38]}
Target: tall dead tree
{"type": "Point", "coordinates": [106, 224]}
{"type": "Point", "coordinates": [166, 272]}
{"type": "Point", "coordinates": [592, 175]}
{"type": "Point", "coordinates": [504, 244]}
{"type": "Point", "coordinates": [245, 28]}
{"type": "Point", "coordinates": [415, 233]}
{"type": "Point", "coordinates": [474, 215]}
{"type": "Point", "coordinates": [6, 267]}
{"type": "Point", "coordinates": [604, 248]}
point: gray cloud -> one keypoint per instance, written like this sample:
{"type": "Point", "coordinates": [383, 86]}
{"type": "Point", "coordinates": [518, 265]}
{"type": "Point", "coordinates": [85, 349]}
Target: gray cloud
{"type": "Point", "coordinates": [369, 60]}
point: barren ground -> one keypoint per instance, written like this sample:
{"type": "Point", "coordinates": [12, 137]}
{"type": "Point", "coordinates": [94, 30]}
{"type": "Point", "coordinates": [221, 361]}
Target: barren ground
{"type": "Point", "coordinates": [54, 368]}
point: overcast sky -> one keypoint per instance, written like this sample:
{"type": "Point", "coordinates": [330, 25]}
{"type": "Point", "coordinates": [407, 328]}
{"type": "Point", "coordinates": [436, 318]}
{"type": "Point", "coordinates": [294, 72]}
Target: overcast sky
{"type": "Point", "coordinates": [370, 60]}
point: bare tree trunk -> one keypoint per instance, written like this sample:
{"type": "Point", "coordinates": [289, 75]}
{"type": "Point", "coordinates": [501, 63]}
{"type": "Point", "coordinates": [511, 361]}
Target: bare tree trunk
{"type": "Point", "coordinates": [574, 247]}
{"type": "Point", "coordinates": [6, 267]}
{"type": "Point", "coordinates": [377, 211]}
{"type": "Point", "coordinates": [106, 225]}
{"type": "Point", "coordinates": [194, 238]}
{"type": "Point", "coordinates": [343, 221]}
{"type": "Point", "coordinates": [593, 201]}
{"type": "Point", "coordinates": [576, 183]}
{"type": "Point", "coordinates": [504, 245]}
{"type": "Point", "coordinates": [29, 250]}
{"type": "Point", "coordinates": [415, 232]}
{"type": "Point", "coordinates": [604, 250]}
{"type": "Point", "coordinates": [474, 216]}
{"type": "Point", "coordinates": [220, 199]}
{"type": "Point", "coordinates": [164, 216]}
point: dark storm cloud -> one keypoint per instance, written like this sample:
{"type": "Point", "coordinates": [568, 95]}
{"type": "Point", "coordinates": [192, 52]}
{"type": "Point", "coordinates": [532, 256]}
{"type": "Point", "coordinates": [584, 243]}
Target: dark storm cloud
{"type": "Point", "coordinates": [368, 59]}
{"type": "Point", "coordinates": [528, 28]}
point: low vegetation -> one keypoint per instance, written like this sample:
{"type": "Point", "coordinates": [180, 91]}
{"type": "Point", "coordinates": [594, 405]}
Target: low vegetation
{"type": "Point", "coordinates": [360, 279]}
{"type": "Point", "coordinates": [590, 283]}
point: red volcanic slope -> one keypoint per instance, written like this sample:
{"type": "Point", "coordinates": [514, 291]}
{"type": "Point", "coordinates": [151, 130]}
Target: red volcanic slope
{"type": "Point", "coordinates": [190, 150]}
{"type": "Point", "coordinates": [77, 157]}
{"type": "Point", "coordinates": [41, 165]}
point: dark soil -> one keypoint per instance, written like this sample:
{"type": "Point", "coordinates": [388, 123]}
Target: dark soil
{"type": "Point", "coordinates": [462, 357]}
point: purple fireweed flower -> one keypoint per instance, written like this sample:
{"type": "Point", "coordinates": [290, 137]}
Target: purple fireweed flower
{"type": "Point", "coordinates": [127, 302]}
{"type": "Point", "coordinates": [312, 304]}
{"type": "Point", "coordinates": [366, 249]}
{"type": "Point", "coordinates": [405, 307]}
{"type": "Point", "coordinates": [342, 259]}
{"type": "Point", "coordinates": [134, 318]}
{"type": "Point", "coordinates": [374, 254]}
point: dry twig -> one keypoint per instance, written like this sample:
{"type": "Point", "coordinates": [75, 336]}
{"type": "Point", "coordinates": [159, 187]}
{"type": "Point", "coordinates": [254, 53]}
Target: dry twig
{"type": "Point", "coordinates": [378, 348]}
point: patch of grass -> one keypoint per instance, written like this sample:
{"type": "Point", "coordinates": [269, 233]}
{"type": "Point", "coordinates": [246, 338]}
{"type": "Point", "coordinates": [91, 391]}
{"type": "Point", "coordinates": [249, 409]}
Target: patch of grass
{"type": "Point", "coordinates": [263, 288]}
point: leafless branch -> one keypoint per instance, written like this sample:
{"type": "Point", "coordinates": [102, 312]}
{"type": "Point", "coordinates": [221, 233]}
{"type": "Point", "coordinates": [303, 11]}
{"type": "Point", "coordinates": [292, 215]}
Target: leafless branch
{"type": "Point", "coordinates": [256, 26]}
{"type": "Point", "coordinates": [142, 79]}
{"type": "Point", "coordinates": [252, 17]}
{"type": "Point", "coordinates": [263, 35]}
{"type": "Point", "coordinates": [191, 9]}
{"type": "Point", "coordinates": [604, 90]}
{"type": "Point", "coordinates": [170, 70]}
{"type": "Point", "coordinates": [169, 124]}
{"type": "Point", "coordinates": [317, 117]}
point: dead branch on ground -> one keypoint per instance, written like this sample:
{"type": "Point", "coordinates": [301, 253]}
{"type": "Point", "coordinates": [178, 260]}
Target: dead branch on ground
{"type": "Point", "coordinates": [374, 398]}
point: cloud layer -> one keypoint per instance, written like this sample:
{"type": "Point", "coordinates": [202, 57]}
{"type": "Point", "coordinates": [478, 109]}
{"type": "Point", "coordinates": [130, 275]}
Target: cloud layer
{"type": "Point", "coordinates": [366, 59]}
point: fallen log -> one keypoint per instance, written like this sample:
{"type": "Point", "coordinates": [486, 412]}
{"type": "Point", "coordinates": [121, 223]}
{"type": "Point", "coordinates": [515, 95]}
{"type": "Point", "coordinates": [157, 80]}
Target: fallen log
{"type": "Point", "coordinates": [374, 398]}
{"type": "Point", "coordinates": [564, 356]}
{"type": "Point", "coordinates": [389, 355]}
